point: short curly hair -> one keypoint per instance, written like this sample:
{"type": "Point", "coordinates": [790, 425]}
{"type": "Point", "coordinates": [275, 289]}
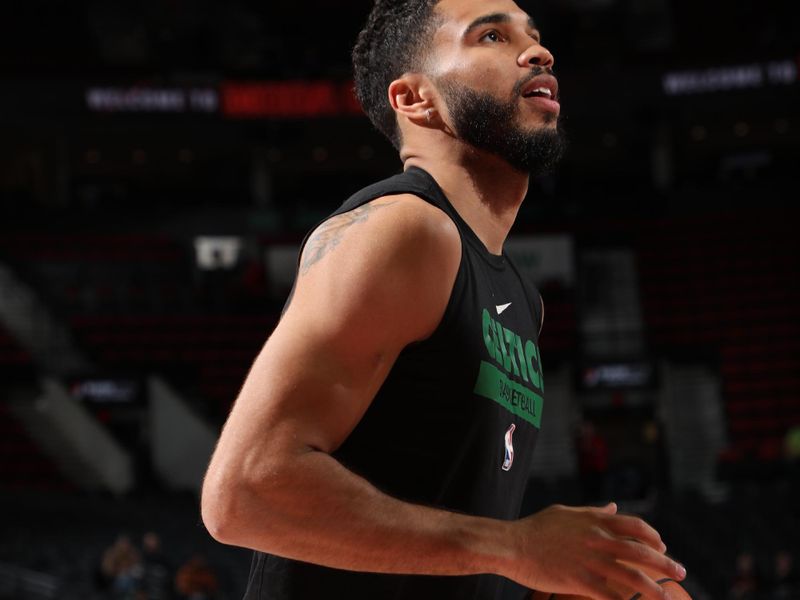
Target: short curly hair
{"type": "Point", "coordinates": [394, 41]}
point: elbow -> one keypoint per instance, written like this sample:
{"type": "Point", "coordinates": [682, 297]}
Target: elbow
{"type": "Point", "coordinates": [218, 509]}
{"type": "Point", "coordinates": [244, 502]}
{"type": "Point", "coordinates": [216, 522]}
{"type": "Point", "coordinates": [238, 507]}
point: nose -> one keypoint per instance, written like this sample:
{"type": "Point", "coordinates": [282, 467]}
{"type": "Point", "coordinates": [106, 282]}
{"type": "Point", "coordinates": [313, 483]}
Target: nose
{"type": "Point", "coordinates": [536, 55]}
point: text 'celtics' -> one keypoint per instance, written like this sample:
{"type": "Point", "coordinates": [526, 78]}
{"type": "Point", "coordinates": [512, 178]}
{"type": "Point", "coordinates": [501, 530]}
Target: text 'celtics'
{"type": "Point", "coordinates": [510, 352]}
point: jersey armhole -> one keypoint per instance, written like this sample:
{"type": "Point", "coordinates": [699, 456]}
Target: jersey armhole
{"type": "Point", "coordinates": [540, 315]}
{"type": "Point", "coordinates": [456, 294]}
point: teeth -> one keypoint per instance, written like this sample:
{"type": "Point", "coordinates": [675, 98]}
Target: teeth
{"type": "Point", "coordinates": [547, 92]}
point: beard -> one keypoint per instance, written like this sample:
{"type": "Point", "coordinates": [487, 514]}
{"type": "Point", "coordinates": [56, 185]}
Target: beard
{"type": "Point", "coordinates": [493, 126]}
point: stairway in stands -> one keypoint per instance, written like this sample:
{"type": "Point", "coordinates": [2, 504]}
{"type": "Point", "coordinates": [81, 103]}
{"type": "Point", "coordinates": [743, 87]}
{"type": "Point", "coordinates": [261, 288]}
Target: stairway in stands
{"type": "Point", "coordinates": [22, 464]}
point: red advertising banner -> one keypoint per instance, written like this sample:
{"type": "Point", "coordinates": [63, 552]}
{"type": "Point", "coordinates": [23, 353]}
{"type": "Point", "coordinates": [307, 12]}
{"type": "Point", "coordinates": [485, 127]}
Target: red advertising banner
{"type": "Point", "coordinates": [294, 99]}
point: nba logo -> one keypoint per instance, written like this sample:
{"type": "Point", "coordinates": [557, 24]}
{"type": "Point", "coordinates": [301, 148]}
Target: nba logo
{"type": "Point", "coordinates": [509, 459]}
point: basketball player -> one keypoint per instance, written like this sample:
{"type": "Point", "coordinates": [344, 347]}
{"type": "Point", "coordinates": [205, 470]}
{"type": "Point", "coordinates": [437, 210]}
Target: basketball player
{"type": "Point", "coordinates": [382, 441]}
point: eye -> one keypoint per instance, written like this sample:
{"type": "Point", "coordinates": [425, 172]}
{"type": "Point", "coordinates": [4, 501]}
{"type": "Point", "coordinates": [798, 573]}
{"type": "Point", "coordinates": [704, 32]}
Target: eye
{"type": "Point", "coordinates": [493, 36]}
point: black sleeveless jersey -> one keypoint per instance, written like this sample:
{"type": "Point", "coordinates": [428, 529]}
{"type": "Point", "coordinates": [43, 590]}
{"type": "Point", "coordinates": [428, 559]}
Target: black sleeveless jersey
{"type": "Point", "coordinates": [453, 426]}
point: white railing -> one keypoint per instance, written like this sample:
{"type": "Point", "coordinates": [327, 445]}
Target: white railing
{"type": "Point", "coordinates": [31, 322]}
{"type": "Point", "coordinates": [74, 440]}
{"type": "Point", "coordinates": [180, 460]}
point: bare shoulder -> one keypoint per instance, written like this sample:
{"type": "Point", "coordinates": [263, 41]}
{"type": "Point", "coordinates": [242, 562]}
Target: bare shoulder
{"type": "Point", "coordinates": [394, 259]}
{"type": "Point", "coordinates": [400, 221]}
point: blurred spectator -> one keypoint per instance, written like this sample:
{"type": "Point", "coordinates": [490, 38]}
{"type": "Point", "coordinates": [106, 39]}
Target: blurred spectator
{"type": "Point", "coordinates": [156, 581]}
{"type": "Point", "coordinates": [121, 568]}
{"type": "Point", "coordinates": [745, 582]}
{"type": "Point", "coordinates": [593, 461]}
{"type": "Point", "coordinates": [196, 580]}
{"type": "Point", "coordinates": [784, 584]}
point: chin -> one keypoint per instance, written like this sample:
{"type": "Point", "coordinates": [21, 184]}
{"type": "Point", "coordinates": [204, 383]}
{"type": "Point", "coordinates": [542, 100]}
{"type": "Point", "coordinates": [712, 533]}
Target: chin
{"type": "Point", "coordinates": [545, 122]}
{"type": "Point", "coordinates": [551, 119]}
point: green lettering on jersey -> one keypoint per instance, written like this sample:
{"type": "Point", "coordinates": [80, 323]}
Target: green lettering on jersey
{"type": "Point", "coordinates": [506, 356]}
{"type": "Point", "coordinates": [488, 333]}
{"type": "Point", "coordinates": [514, 357]}
{"type": "Point", "coordinates": [515, 398]}
{"type": "Point", "coordinates": [521, 355]}
{"type": "Point", "coordinates": [511, 352]}
{"type": "Point", "coordinates": [534, 365]}
{"type": "Point", "coordinates": [512, 338]}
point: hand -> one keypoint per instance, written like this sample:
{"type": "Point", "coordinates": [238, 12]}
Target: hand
{"type": "Point", "coordinates": [578, 551]}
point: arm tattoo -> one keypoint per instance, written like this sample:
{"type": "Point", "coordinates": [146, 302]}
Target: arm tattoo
{"type": "Point", "coordinates": [330, 233]}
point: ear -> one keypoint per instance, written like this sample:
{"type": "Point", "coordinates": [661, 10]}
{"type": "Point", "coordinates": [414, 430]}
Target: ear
{"type": "Point", "coordinates": [412, 96]}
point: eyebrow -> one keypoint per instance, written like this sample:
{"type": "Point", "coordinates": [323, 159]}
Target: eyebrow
{"type": "Point", "coordinates": [495, 18]}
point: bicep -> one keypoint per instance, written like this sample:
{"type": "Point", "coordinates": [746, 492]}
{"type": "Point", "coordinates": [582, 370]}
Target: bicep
{"type": "Point", "coordinates": [309, 385]}
{"type": "Point", "coordinates": [350, 317]}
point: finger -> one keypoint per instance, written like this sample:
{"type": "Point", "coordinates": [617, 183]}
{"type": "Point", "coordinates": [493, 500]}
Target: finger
{"type": "Point", "coordinates": [611, 508]}
{"type": "Point", "coordinates": [636, 528]}
{"type": "Point", "coordinates": [658, 565]}
{"type": "Point", "coordinates": [608, 509]}
{"type": "Point", "coordinates": [635, 580]}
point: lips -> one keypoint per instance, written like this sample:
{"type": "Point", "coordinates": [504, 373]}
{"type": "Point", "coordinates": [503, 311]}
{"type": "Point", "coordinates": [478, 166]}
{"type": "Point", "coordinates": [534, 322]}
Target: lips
{"type": "Point", "coordinates": [542, 86]}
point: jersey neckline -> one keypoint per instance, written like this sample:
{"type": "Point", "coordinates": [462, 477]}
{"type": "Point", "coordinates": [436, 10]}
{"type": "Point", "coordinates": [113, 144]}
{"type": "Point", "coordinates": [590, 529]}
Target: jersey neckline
{"type": "Point", "coordinates": [498, 261]}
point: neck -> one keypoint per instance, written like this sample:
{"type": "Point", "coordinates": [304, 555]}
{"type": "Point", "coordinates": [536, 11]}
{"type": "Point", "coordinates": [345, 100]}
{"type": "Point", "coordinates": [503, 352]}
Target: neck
{"type": "Point", "coordinates": [485, 190]}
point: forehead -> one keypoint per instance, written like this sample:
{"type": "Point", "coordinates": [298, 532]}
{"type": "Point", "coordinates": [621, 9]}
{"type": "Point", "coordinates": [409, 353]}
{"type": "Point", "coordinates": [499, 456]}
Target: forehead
{"type": "Point", "coordinates": [458, 14]}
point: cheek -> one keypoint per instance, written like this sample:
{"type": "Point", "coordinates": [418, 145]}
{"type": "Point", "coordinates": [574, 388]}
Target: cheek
{"type": "Point", "coordinates": [487, 75]}
{"type": "Point", "coordinates": [478, 67]}
{"type": "Point", "coordinates": [491, 70]}
{"type": "Point", "coordinates": [485, 78]}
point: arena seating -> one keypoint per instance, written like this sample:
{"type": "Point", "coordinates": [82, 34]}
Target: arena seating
{"type": "Point", "coordinates": [722, 289]}
{"type": "Point", "coordinates": [137, 305]}
{"type": "Point", "coordinates": [729, 287]}
{"type": "Point", "coordinates": [22, 464]}
{"type": "Point", "coordinates": [64, 535]}
{"type": "Point", "coordinates": [758, 519]}
{"type": "Point", "coordinates": [723, 286]}
{"type": "Point", "coordinates": [207, 355]}
{"type": "Point", "coordinates": [11, 354]}
{"type": "Point", "coordinates": [104, 274]}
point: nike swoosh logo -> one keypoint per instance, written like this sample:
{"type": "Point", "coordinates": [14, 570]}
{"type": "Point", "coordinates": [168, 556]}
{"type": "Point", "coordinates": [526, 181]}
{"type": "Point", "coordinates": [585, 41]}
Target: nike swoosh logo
{"type": "Point", "coordinates": [502, 308]}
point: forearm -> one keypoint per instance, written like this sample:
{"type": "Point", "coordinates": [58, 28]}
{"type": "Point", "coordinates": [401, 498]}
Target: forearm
{"type": "Point", "coordinates": [313, 509]}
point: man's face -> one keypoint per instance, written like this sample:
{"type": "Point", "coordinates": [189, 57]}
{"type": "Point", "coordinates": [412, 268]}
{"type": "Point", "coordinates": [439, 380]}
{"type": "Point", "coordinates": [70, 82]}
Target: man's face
{"type": "Point", "coordinates": [496, 79]}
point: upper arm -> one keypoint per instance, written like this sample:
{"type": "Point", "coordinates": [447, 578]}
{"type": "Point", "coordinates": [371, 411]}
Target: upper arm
{"type": "Point", "coordinates": [369, 284]}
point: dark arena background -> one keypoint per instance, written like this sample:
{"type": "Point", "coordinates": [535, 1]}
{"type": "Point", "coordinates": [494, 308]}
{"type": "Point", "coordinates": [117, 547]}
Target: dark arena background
{"type": "Point", "coordinates": [160, 162]}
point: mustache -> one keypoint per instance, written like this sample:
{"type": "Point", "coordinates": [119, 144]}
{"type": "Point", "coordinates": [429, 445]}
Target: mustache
{"type": "Point", "coordinates": [535, 72]}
